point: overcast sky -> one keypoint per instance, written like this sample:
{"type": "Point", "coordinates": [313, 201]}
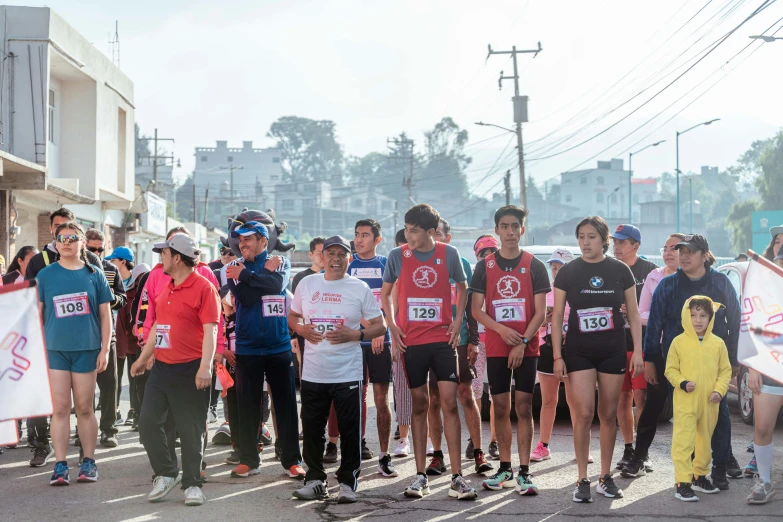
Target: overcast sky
{"type": "Point", "coordinates": [205, 71]}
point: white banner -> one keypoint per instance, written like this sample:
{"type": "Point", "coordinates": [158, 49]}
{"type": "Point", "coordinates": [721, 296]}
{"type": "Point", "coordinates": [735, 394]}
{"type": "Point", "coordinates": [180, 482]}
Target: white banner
{"type": "Point", "coordinates": [761, 324]}
{"type": "Point", "coordinates": [25, 390]}
{"type": "Point", "coordinates": [9, 436]}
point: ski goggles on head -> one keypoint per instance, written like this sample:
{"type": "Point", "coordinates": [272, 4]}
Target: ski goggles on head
{"type": "Point", "coordinates": [67, 240]}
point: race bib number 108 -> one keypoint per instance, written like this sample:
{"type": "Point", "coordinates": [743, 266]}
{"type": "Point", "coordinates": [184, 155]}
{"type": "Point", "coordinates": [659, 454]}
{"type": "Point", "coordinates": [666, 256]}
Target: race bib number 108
{"type": "Point", "coordinates": [71, 305]}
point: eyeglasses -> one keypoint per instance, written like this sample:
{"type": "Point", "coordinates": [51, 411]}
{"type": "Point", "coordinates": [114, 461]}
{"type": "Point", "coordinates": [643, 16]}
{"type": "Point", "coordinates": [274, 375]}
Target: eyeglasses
{"type": "Point", "coordinates": [229, 253]}
{"type": "Point", "coordinates": [67, 240]}
{"type": "Point", "coordinates": [95, 250]}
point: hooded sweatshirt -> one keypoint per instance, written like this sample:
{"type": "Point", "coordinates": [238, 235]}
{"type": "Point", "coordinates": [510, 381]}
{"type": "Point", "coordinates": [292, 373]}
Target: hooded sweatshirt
{"type": "Point", "coordinates": [664, 323]}
{"type": "Point", "coordinates": [704, 362]}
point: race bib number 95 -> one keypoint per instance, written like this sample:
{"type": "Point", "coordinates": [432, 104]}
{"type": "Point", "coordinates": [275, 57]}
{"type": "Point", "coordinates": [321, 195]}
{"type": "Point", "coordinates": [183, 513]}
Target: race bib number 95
{"type": "Point", "coordinates": [71, 305]}
{"type": "Point", "coordinates": [425, 310]}
{"type": "Point", "coordinates": [326, 324]}
{"type": "Point", "coordinates": [273, 306]}
{"type": "Point", "coordinates": [595, 320]}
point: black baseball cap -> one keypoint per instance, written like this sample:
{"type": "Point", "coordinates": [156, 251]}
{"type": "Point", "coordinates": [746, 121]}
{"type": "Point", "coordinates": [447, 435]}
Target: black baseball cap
{"type": "Point", "coordinates": [694, 242]}
{"type": "Point", "coordinates": [339, 241]}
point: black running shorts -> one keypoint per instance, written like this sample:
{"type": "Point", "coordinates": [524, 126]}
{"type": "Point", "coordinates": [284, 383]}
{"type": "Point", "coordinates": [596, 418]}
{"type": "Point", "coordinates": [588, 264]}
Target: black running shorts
{"type": "Point", "coordinates": [500, 375]}
{"type": "Point", "coordinates": [441, 358]}
{"type": "Point", "coordinates": [377, 368]}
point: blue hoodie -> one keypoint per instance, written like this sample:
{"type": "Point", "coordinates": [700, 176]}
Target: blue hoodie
{"type": "Point", "coordinates": [257, 334]}
{"type": "Point", "coordinates": [665, 322]}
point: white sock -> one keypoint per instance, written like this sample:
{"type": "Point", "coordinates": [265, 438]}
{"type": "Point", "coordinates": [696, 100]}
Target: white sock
{"type": "Point", "coordinates": [383, 454]}
{"type": "Point", "coordinates": [764, 461]}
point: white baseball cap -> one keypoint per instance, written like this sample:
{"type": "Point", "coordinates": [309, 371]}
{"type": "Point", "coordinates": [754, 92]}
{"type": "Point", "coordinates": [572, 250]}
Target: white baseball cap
{"type": "Point", "coordinates": [562, 256]}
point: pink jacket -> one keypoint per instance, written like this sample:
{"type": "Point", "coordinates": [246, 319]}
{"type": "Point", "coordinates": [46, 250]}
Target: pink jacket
{"type": "Point", "coordinates": [650, 284]}
{"type": "Point", "coordinates": [156, 281]}
{"type": "Point", "coordinates": [547, 327]}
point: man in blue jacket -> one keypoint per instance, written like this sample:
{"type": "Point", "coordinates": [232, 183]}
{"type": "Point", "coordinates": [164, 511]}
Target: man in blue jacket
{"type": "Point", "coordinates": [694, 277]}
{"type": "Point", "coordinates": [258, 282]}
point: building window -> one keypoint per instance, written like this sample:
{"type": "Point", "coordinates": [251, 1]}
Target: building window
{"type": "Point", "coordinates": [204, 158]}
{"type": "Point", "coordinates": [568, 198]}
{"type": "Point", "coordinates": [599, 197]}
{"type": "Point", "coordinates": [288, 204]}
{"type": "Point", "coordinates": [230, 159]}
{"type": "Point", "coordinates": [599, 180]}
{"type": "Point", "coordinates": [51, 115]}
{"type": "Point", "coordinates": [275, 160]}
{"type": "Point", "coordinates": [584, 180]}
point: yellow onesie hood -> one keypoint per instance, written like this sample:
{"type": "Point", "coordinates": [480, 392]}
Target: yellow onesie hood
{"type": "Point", "coordinates": [687, 325]}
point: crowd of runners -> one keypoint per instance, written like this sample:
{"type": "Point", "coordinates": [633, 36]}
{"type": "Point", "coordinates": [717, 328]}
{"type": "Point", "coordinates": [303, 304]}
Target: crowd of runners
{"type": "Point", "coordinates": [422, 322]}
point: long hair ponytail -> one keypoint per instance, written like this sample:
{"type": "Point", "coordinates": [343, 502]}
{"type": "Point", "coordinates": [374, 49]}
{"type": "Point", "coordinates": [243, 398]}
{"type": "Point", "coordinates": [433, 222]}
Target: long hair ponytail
{"type": "Point", "coordinates": [76, 227]}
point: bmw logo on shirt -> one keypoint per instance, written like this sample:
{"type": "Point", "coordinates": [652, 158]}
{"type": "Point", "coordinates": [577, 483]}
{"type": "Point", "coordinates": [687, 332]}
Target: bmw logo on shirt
{"type": "Point", "coordinates": [596, 282]}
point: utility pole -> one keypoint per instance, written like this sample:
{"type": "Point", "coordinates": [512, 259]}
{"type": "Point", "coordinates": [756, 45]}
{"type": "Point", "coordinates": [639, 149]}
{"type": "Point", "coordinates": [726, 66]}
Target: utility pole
{"type": "Point", "coordinates": [507, 185]}
{"type": "Point", "coordinates": [396, 214]}
{"type": "Point", "coordinates": [232, 168]}
{"type": "Point", "coordinates": [194, 198]}
{"type": "Point", "coordinates": [206, 205]}
{"type": "Point", "coordinates": [520, 112]}
{"type": "Point", "coordinates": [155, 155]}
{"type": "Point", "coordinates": [406, 145]}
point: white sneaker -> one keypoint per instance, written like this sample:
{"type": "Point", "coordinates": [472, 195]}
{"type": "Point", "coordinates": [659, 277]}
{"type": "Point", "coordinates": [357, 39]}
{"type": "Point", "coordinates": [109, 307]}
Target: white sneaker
{"type": "Point", "coordinates": [194, 496]}
{"type": "Point", "coordinates": [161, 487]}
{"type": "Point", "coordinates": [403, 449]}
{"type": "Point", "coordinates": [346, 495]}
{"type": "Point", "coordinates": [430, 449]}
{"type": "Point", "coordinates": [212, 415]}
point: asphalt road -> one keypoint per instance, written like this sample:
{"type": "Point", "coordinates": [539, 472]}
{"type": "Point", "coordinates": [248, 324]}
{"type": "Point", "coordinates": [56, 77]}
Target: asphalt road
{"type": "Point", "coordinates": [125, 473]}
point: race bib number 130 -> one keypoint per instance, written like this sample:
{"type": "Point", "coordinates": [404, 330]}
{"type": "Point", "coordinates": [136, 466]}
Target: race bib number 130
{"type": "Point", "coordinates": [71, 305]}
{"type": "Point", "coordinates": [595, 320]}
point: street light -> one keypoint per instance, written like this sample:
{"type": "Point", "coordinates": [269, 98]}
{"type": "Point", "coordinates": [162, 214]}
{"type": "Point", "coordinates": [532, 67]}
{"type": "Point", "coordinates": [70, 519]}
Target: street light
{"type": "Point", "coordinates": [493, 125]}
{"type": "Point", "coordinates": [677, 169]}
{"type": "Point", "coordinates": [765, 37]}
{"type": "Point", "coordinates": [630, 175]}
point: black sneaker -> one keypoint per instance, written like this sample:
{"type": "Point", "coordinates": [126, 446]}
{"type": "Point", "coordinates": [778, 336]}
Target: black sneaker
{"type": "Point", "coordinates": [109, 440]}
{"type": "Point", "coordinates": [685, 493]}
{"type": "Point", "coordinates": [633, 469]}
{"type": "Point", "coordinates": [482, 466]}
{"type": "Point", "coordinates": [733, 469]}
{"type": "Point", "coordinates": [703, 485]}
{"type": "Point", "coordinates": [367, 453]}
{"type": "Point", "coordinates": [718, 477]}
{"type": "Point", "coordinates": [582, 492]}
{"type": "Point", "coordinates": [493, 450]}
{"type": "Point", "coordinates": [278, 450]}
{"type": "Point", "coordinates": [130, 418]}
{"type": "Point", "coordinates": [41, 455]}
{"type": "Point", "coordinates": [648, 464]}
{"type": "Point", "coordinates": [469, 449]}
{"type": "Point", "coordinates": [386, 468]}
{"type": "Point", "coordinates": [628, 455]}
{"type": "Point", "coordinates": [436, 467]}
{"type": "Point", "coordinates": [233, 458]}
{"type": "Point", "coordinates": [397, 433]}
{"type": "Point", "coordinates": [330, 455]}
{"type": "Point", "coordinates": [608, 488]}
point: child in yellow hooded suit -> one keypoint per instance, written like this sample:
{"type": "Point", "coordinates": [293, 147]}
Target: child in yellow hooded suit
{"type": "Point", "coordinates": [699, 370]}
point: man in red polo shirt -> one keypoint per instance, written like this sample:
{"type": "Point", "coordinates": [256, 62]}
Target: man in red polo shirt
{"type": "Point", "coordinates": [185, 334]}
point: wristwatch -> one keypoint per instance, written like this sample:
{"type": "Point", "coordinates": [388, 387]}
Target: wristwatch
{"type": "Point", "coordinates": [361, 335]}
{"type": "Point", "coordinates": [526, 341]}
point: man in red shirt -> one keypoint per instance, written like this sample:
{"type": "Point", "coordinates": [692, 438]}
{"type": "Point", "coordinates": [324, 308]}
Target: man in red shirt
{"type": "Point", "coordinates": [185, 334]}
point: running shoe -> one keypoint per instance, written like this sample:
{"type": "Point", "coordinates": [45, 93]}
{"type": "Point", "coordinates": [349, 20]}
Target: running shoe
{"type": "Point", "coordinates": [733, 469]}
{"type": "Point", "coordinates": [590, 459]}
{"type": "Point", "coordinates": [648, 464]}
{"type": "Point", "coordinates": [751, 469]}
{"type": "Point", "coordinates": [403, 449]}
{"type": "Point", "coordinates": [346, 495]}
{"type": "Point", "coordinates": [88, 471]}
{"type": "Point", "coordinates": [385, 467]}
{"type": "Point", "coordinates": [482, 466]}
{"type": "Point", "coordinates": [265, 436]}
{"type": "Point", "coordinates": [330, 455]}
{"type": "Point", "coordinates": [461, 490]}
{"type": "Point", "coordinates": [243, 471]}
{"type": "Point", "coordinates": [608, 488]}
{"type": "Point", "coordinates": [194, 496]}
{"type": "Point", "coordinates": [129, 419]}
{"type": "Point", "coordinates": [212, 415]}
{"type": "Point", "coordinates": [761, 493]}
{"type": "Point", "coordinates": [367, 453]}
{"type": "Point", "coordinates": [313, 490]}
{"type": "Point", "coordinates": [397, 433]}
{"type": "Point", "coordinates": [541, 453]}
{"type": "Point", "coordinates": [222, 436]}
{"type": "Point", "coordinates": [469, 450]}
{"type": "Point", "coordinates": [703, 485]}
{"type": "Point", "coordinates": [504, 478]}
{"type": "Point", "coordinates": [718, 476]}
{"type": "Point", "coordinates": [751, 447]}
{"type": "Point", "coordinates": [685, 493]}
{"type": "Point", "coordinates": [233, 458]}
{"type": "Point", "coordinates": [109, 440]}
{"type": "Point", "coordinates": [628, 454]}
{"type": "Point", "coordinates": [77, 441]}
{"type": "Point", "coordinates": [436, 467]}
{"type": "Point", "coordinates": [120, 421]}
{"type": "Point", "coordinates": [582, 492]}
{"type": "Point", "coordinates": [41, 455]}
{"type": "Point", "coordinates": [60, 476]}
{"type": "Point", "coordinates": [418, 488]}
{"type": "Point", "coordinates": [633, 469]}
{"type": "Point", "coordinates": [161, 486]}
{"type": "Point", "coordinates": [493, 450]}
{"type": "Point", "coordinates": [525, 484]}
{"type": "Point", "coordinates": [296, 472]}
{"type": "Point", "coordinates": [430, 448]}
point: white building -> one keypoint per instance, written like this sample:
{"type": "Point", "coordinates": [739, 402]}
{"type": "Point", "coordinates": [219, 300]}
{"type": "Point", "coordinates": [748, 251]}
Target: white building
{"type": "Point", "coordinates": [604, 191]}
{"type": "Point", "coordinates": [69, 110]}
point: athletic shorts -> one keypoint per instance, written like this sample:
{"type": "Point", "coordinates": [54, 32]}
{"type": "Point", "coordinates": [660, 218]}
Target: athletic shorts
{"type": "Point", "coordinates": [418, 360]}
{"type": "Point", "coordinates": [466, 372]}
{"type": "Point", "coordinates": [630, 382]}
{"type": "Point", "coordinates": [377, 368]}
{"type": "Point", "coordinates": [612, 361]}
{"type": "Point", "coordinates": [499, 375]}
{"type": "Point", "coordinates": [546, 359]}
{"type": "Point", "coordinates": [74, 361]}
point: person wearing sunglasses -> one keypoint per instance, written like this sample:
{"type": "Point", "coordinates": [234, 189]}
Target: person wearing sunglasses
{"type": "Point", "coordinates": [226, 256]}
{"type": "Point", "coordinates": [74, 305]}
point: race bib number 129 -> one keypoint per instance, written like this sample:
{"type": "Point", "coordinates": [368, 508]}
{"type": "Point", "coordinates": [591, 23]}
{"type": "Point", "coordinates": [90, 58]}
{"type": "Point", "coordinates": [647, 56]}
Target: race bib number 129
{"type": "Point", "coordinates": [425, 309]}
{"type": "Point", "coordinates": [71, 305]}
{"type": "Point", "coordinates": [595, 320]}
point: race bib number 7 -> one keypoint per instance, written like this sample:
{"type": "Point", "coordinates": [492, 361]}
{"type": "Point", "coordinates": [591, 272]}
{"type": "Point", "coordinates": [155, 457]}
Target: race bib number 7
{"type": "Point", "coordinates": [163, 336]}
{"type": "Point", "coordinates": [71, 305]}
{"type": "Point", "coordinates": [428, 310]}
{"type": "Point", "coordinates": [273, 306]}
{"type": "Point", "coordinates": [595, 320]}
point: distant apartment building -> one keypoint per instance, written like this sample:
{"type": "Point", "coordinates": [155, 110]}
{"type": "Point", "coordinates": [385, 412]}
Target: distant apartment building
{"type": "Point", "coordinates": [604, 191]}
{"type": "Point", "coordinates": [66, 128]}
{"type": "Point", "coordinates": [255, 174]}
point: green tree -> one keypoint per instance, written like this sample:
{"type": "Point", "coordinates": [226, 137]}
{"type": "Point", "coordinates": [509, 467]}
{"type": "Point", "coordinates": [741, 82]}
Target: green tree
{"type": "Point", "coordinates": [770, 182]}
{"type": "Point", "coordinates": [739, 222]}
{"type": "Point", "coordinates": [444, 160]}
{"type": "Point", "coordinates": [309, 149]}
